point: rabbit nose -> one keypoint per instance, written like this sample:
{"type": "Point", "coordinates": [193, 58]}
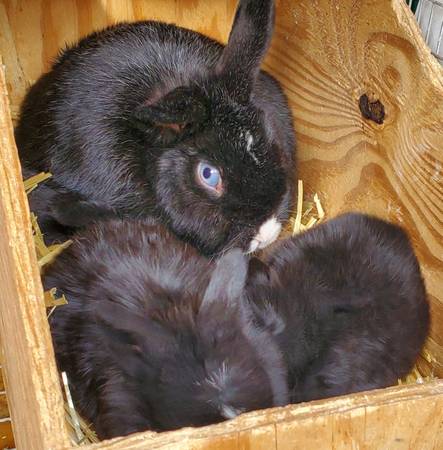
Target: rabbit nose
{"type": "Point", "coordinates": [267, 234]}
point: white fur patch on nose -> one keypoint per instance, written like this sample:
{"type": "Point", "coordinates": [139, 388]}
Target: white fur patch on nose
{"type": "Point", "coordinates": [267, 234]}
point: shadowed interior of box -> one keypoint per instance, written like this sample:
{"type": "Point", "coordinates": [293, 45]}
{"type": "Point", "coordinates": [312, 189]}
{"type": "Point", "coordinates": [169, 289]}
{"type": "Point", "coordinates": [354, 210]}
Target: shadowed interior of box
{"type": "Point", "coordinates": [330, 60]}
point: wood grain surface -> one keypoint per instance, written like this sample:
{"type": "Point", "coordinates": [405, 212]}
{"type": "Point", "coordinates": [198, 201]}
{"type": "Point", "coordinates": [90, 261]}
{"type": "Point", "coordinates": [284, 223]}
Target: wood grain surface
{"type": "Point", "coordinates": [328, 54]}
{"type": "Point", "coordinates": [367, 98]}
{"type": "Point", "coordinates": [31, 377]}
{"type": "Point", "coordinates": [4, 410]}
{"type": "Point", "coordinates": [2, 383]}
{"type": "Point", "coordinates": [6, 435]}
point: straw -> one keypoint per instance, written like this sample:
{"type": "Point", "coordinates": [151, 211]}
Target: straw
{"type": "Point", "coordinates": [308, 213]}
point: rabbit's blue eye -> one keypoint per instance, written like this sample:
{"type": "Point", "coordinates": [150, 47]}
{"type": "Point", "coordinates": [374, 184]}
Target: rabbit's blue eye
{"type": "Point", "coordinates": [209, 176]}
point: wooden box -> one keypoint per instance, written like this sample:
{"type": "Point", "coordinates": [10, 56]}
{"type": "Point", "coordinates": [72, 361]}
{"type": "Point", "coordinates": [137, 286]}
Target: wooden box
{"type": "Point", "coordinates": [328, 54]}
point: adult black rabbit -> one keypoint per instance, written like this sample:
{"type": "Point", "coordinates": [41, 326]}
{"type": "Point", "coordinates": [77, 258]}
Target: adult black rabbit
{"type": "Point", "coordinates": [157, 337]}
{"type": "Point", "coordinates": [346, 302]}
{"type": "Point", "coordinates": [150, 119]}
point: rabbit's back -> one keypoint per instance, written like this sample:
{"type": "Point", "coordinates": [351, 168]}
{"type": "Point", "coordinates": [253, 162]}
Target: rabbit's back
{"type": "Point", "coordinates": [109, 73]}
{"type": "Point", "coordinates": [351, 304]}
{"type": "Point", "coordinates": [133, 262]}
{"type": "Point", "coordinates": [135, 265]}
{"type": "Point", "coordinates": [77, 120]}
{"type": "Point", "coordinates": [367, 268]}
{"type": "Point", "coordinates": [75, 115]}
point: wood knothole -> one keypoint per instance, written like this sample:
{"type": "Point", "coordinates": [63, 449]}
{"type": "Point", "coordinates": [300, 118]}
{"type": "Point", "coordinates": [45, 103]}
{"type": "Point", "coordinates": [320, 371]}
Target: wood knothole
{"type": "Point", "coordinates": [372, 110]}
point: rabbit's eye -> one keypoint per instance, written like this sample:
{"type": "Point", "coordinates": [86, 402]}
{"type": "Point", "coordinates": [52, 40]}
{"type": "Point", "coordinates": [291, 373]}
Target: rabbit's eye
{"type": "Point", "coordinates": [209, 177]}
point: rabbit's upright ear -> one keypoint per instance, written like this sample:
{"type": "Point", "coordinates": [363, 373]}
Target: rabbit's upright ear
{"type": "Point", "coordinates": [131, 338]}
{"type": "Point", "coordinates": [178, 113]}
{"type": "Point", "coordinates": [248, 43]}
{"type": "Point", "coordinates": [228, 280]}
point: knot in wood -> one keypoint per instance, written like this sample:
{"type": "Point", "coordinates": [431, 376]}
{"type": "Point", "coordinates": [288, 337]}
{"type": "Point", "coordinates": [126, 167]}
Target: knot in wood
{"type": "Point", "coordinates": [372, 110]}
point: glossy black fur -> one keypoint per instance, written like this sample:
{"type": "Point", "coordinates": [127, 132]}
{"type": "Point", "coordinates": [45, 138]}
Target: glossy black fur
{"type": "Point", "coordinates": [347, 304]}
{"type": "Point", "coordinates": [124, 117]}
{"type": "Point", "coordinates": [157, 337]}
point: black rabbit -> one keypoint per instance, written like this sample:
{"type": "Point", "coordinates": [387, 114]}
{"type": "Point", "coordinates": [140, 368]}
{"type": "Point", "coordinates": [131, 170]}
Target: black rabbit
{"type": "Point", "coordinates": [150, 119]}
{"type": "Point", "coordinates": [157, 337]}
{"type": "Point", "coordinates": [346, 302]}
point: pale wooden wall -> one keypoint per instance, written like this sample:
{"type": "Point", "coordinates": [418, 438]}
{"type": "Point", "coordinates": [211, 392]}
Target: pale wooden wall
{"type": "Point", "coordinates": [31, 378]}
{"type": "Point", "coordinates": [401, 418]}
{"type": "Point", "coordinates": [326, 53]}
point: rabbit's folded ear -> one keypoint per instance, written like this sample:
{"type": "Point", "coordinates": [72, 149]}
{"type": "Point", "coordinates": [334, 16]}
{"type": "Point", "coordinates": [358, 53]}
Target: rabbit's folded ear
{"type": "Point", "coordinates": [228, 280]}
{"type": "Point", "coordinates": [181, 111]}
{"type": "Point", "coordinates": [131, 338]}
{"type": "Point", "coordinates": [222, 308]}
{"type": "Point", "coordinates": [259, 273]}
{"type": "Point", "coordinates": [71, 210]}
{"type": "Point", "coordinates": [248, 43]}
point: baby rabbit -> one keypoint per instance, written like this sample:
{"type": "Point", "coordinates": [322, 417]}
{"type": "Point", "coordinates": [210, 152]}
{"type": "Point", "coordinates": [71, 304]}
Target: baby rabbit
{"type": "Point", "coordinates": [347, 304]}
{"type": "Point", "coordinates": [157, 337]}
{"type": "Point", "coordinates": [150, 119]}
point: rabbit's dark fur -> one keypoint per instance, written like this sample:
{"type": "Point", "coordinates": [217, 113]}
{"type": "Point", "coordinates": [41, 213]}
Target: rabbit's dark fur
{"type": "Point", "coordinates": [125, 116]}
{"type": "Point", "coordinates": [157, 337]}
{"type": "Point", "coordinates": [346, 302]}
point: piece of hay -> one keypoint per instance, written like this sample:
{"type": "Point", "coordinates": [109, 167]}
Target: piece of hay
{"type": "Point", "coordinates": [416, 376]}
{"type": "Point", "coordinates": [52, 298]}
{"type": "Point", "coordinates": [320, 211]}
{"type": "Point", "coordinates": [53, 252]}
{"type": "Point", "coordinates": [297, 221]}
{"type": "Point", "coordinates": [89, 436]}
{"type": "Point", "coordinates": [33, 182]}
{"type": "Point", "coordinates": [72, 412]}
{"type": "Point", "coordinates": [82, 433]}
{"type": "Point", "coordinates": [308, 213]}
{"type": "Point", "coordinates": [426, 354]}
{"type": "Point", "coordinates": [45, 254]}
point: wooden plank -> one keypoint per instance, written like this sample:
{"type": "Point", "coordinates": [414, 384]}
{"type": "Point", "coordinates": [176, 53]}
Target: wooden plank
{"type": "Point", "coordinates": [384, 419]}
{"type": "Point", "coordinates": [260, 438]}
{"type": "Point", "coordinates": [2, 384]}
{"type": "Point", "coordinates": [6, 436]}
{"type": "Point", "coordinates": [4, 410]}
{"type": "Point", "coordinates": [29, 365]}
